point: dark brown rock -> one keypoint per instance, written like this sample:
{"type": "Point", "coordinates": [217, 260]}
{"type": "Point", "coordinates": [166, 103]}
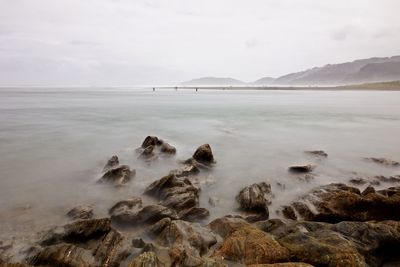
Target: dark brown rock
{"type": "Point", "coordinates": [319, 153]}
{"type": "Point", "coordinates": [384, 162]}
{"type": "Point", "coordinates": [224, 226]}
{"type": "Point", "coordinates": [151, 141]}
{"type": "Point", "coordinates": [302, 168]}
{"type": "Point", "coordinates": [255, 197]}
{"type": "Point", "coordinates": [203, 154]}
{"type": "Point", "coordinates": [118, 176]}
{"type": "Point", "coordinates": [168, 149]}
{"type": "Point", "coordinates": [194, 214]}
{"type": "Point", "coordinates": [146, 259]}
{"type": "Point", "coordinates": [111, 163]}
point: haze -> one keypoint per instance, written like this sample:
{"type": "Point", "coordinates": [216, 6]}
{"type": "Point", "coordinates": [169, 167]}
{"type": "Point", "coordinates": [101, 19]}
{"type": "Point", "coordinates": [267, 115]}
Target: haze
{"type": "Point", "coordinates": [125, 43]}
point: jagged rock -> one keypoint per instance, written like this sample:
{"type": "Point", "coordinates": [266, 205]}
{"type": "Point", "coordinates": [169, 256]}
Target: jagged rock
{"type": "Point", "coordinates": [111, 163]}
{"type": "Point", "coordinates": [187, 242]}
{"type": "Point", "coordinates": [338, 202]}
{"type": "Point", "coordinates": [132, 212]}
{"type": "Point", "coordinates": [252, 246]}
{"type": "Point", "coordinates": [384, 162]}
{"type": "Point", "coordinates": [176, 193]}
{"type": "Point", "coordinates": [302, 168]}
{"type": "Point", "coordinates": [138, 243]}
{"type": "Point", "coordinates": [185, 171]}
{"type": "Point", "coordinates": [151, 141]}
{"type": "Point", "coordinates": [146, 259]}
{"type": "Point", "coordinates": [289, 212]}
{"type": "Point", "coordinates": [203, 154]}
{"type": "Point", "coordinates": [255, 197]}
{"type": "Point", "coordinates": [119, 175]}
{"type": "Point", "coordinates": [319, 153]}
{"type": "Point", "coordinates": [81, 212]}
{"type": "Point", "coordinates": [391, 179]}
{"type": "Point", "coordinates": [224, 226]}
{"type": "Point", "coordinates": [168, 149]}
{"type": "Point", "coordinates": [83, 243]}
{"type": "Point", "coordinates": [148, 153]}
{"type": "Point", "coordinates": [194, 214]}
{"type": "Point", "coordinates": [283, 264]}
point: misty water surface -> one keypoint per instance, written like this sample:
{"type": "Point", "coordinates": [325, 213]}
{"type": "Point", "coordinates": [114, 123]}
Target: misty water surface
{"type": "Point", "coordinates": [54, 143]}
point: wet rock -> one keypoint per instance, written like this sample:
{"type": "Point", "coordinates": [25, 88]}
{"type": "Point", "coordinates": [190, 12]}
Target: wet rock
{"type": "Point", "coordinates": [289, 212]}
{"type": "Point", "coordinates": [368, 190]}
{"type": "Point", "coordinates": [213, 201]}
{"type": "Point", "coordinates": [384, 162]}
{"type": "Point", "coordinates": [185, 171]}
{"type": "Point", "coordinates": [319, 153]}
{"type": "Point", "coordinates": [83, 243]}
{"type": "Point", "coordinates": [338, 202]}
{"type": "Point", "coordinates": [194, 214]}
{"type": "Point", "coordinates": [111, 163]}
{"type": "Point", "coordinates": [302, 168]}
{"type": "Point", "coordinates": [187, 242]}
{"type": "Point", "coordinates": [198, 165]}
{"type": "Point", "coordinates": [146, 259]}
{"type": "Point", "coordinates": [252, 246]}
{"type": "Point", "coordinates": [224, 226]}
{"type": "Point", "coordinates": [176, 193]}
{"type": "Point", "coordinates": [284, 264]}
{"type": "Point", "coordinates": [81, 212]}
{"type": "Point", "coordinates": [147, 153]}
{"type": "Point", "coordinates": [132, 212]}
{"type": "Point", "coordinates": [151, 141]}
{"type": "Point", "coordinates": [118, 176]}
{"type": "Point", "coordinates": [138, 243]}
{"type": "Point", "coordinates": [391, 179]}
{"type": "Point", "coordinates": [168, 149]}
{"type": "Point", "coordinates": [358, 181]}
{"type": "Point", "coordinates": [255, 197]}
{"type": "Point", "coordinates": [203, 154]}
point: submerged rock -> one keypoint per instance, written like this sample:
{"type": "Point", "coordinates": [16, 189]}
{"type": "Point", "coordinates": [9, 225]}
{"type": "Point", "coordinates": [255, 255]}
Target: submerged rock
{"type": "Point", "coordinates": [384, 162]}
{"type": "Point", "coordinates": [81, 212]}
{"type": "Point", "coordinates": [302, 168]}
{"type": "Point", "coordinates": [111, 163]}
{"type": "Point", "coordinates": [319, 153]}
{"type": "Point", "coordinates": [203, 154]}
{"type": "Point", "coordinates": [338, 202]}
{"type": "Point", "coordinates": [168, 149]}
{"type": "Point", "coordinates": [118, 175]}
{"type": "Point", "coordinates": [252, 246]}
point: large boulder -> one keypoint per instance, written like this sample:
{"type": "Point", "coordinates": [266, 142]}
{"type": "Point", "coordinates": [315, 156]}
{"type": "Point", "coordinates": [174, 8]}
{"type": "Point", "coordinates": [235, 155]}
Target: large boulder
{"type": "Point", "coordinates": [339, 202]}
{"type": "Point", "coordinates": [255, 197]}
{"type": "Point", "coordinates": [225, 226]}
{"type": "Point", "coordinates": [132, 212]}
{"type": "Point", "coordinates": [152, 147]}
{"type": "Point", "coordinates": [118, 176]}
{"type": "Point", "coordinates": [82, 243]}
{"type": "Point", "coordinates": [203, 154]}
{"type": "Point", "coordinates": [187, 242]}
{"type": "Point", "coordinates": [252, 246]}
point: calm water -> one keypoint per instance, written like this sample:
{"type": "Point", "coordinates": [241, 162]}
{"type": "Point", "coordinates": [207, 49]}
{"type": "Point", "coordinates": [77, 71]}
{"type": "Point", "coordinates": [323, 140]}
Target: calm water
{"type": "Point", "coordinates": [54, 143]}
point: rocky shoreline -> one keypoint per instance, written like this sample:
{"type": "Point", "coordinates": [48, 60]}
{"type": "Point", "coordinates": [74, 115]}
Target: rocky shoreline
{"type": "Point", "coordinates": [333, 225]}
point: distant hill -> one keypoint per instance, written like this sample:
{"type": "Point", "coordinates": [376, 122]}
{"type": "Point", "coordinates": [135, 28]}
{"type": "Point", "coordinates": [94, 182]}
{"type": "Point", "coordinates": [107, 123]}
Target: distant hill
{"type": "Point", "coordinates": [358, 71]}
{"type": "Point", "coordinates": [213, 81]}
{"type": "Point", "coordinates": [393, 85]}
{"type": "Point", "coordinates": [265, 81]}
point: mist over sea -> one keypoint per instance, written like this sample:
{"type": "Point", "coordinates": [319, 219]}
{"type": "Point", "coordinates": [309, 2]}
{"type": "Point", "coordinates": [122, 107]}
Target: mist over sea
{"type": "Point", "coordinates": [55, 142]}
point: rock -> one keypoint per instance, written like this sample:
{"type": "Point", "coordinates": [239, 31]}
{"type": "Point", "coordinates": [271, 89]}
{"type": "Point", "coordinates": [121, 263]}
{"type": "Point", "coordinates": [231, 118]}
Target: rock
{"type": "Point", "coordinates": [176, 193]}
{"type": "Point", "coordinates": [252, 246]}
{"type": "Point", "coordinates": [82, 243]}
{"type": "Point", "coordinates": [319, 153]}
{"type": "Point", "coordinates": [284, 264]}
{"type": "Point", "coordinates": [151, 141]}
{"type": "Point", "coordinates": [302, 168]}
{"type": "Point", "coordinates": [168, 149]}
{"type": "Point", "coordinates": [111, 163]}
{"type": "Point", "coordinates": [194, 214]}
{"type": "Point", "coordinates": [391, 179]}
{"type": "Point", "coordinates": [131, 212]}
{"type": "Point", "coordinates": [147, 153]}
{"type": "Point", "coordinates": [138, 243]}
{"type": "Point", "coordinates": [81, 212]}
{"type": "Point", "coordinates": [187, 242]}
{"type": "Point", "coordinates": [203, 154]}
{"type": "Point", "coordinates": [224, 226]}
{"type": "Point", "coordinates": [255, 197]}
{"type": "Point", "coordinates": [213, 201]}
{"type": "Point", "coordinates": [358, 181]}
{"type": "Point", "coordinates": [185, 171]}
{"type": "Point", "coordinates": [384, 162]}
{"type": "Point", "coordinates": [338, 202]}
{"type": "Point", "coordinates": [118, 176]}
{"type": "Point", "coordinates": [146, 259]}
{"type": "Point", "coordinates": [289, 212]}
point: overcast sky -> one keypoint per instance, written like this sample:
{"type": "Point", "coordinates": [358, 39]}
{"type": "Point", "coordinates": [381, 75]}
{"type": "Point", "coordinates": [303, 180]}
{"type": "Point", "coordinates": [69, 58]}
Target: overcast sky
{"type": "Point", "coordinates": [132, 42]}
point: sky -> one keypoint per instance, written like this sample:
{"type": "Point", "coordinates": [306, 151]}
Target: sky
{"type": "Point", "coordinates": [157, 42]}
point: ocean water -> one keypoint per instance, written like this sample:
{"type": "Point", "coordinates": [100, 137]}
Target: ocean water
{"type": "Point", "coordinates": [55, 142]}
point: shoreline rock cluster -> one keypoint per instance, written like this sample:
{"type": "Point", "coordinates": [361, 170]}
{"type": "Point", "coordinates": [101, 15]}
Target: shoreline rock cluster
{"type": "Point", "coordinates": [333, 225]}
